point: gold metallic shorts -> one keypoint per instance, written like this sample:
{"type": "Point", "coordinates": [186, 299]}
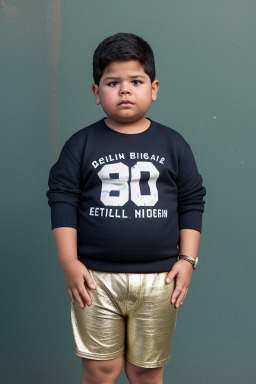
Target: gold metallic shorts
{"type": "Point", "coordinates": [130, 313]}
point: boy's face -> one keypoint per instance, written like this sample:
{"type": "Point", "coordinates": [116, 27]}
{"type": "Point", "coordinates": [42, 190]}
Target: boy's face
{"type": "Point", "coordinates": [125, 81]}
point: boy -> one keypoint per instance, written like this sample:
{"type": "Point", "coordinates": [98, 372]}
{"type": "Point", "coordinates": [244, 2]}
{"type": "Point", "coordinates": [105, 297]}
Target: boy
{"type": "Point", "coordinates": [126, 204]}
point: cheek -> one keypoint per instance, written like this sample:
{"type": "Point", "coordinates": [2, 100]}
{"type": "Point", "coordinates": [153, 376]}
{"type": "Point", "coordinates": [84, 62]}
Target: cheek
{"type": "Point", "coordinates": [108, 97]}
{"type": "Point", "coordinates": [146, 99]}
{"type": "Point", "coordinates": [146, 95]}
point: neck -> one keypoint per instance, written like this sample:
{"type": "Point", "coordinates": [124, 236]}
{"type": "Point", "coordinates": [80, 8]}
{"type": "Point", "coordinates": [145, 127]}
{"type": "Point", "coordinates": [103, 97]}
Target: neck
{"type": "Point", "coordinates": [130, 127]}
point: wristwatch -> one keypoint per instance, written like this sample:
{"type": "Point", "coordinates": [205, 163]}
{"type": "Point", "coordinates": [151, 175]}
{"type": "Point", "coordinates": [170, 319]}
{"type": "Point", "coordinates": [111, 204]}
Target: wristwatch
{"type": "Point", "coordinates": [189, 259]}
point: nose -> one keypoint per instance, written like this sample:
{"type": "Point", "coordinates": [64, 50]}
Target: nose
{"type": "Point", "coordinates": [124, 90]}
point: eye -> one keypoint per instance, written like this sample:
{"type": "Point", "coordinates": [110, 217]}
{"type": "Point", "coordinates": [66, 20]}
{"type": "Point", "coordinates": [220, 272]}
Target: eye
{"type": "Point", "coordinates": [137, 81]}
{"type": "Point", "coordinates": [112, 83]}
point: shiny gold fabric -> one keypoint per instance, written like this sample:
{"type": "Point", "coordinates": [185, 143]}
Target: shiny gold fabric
{"type": "Point", "coordinates": [131, 314]}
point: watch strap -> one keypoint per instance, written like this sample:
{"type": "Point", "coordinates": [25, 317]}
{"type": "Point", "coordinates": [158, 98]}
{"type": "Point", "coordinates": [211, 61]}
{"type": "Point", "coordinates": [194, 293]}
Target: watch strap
{"type": "Point", "coordinates": [191, 260]}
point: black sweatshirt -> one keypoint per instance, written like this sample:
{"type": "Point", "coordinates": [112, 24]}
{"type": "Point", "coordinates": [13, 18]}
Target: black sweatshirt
{"type": "Point", "coordinates": [128, 195]}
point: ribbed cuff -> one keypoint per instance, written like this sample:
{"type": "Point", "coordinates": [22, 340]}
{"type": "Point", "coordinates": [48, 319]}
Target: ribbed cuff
{"type": "Point", "coordinates": [64, 215]}
{"type": "Point", "coordinates": [191, 220]}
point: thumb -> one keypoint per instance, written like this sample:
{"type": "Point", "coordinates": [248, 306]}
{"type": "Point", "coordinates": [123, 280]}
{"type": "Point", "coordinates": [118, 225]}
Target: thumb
{"type": "Point", "coordinates": [170, 276]}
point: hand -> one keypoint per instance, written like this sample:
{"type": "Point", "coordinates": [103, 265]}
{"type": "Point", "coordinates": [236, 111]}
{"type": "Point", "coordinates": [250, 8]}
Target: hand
{"type": "Point", "coordinates": [182, 269]}
{"type": "Point", "coordinates": [76, 274]}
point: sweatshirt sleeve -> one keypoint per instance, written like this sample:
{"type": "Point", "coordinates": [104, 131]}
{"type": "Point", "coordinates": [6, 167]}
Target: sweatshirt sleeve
{"type": "Point", "coordinates": [190, 193]}
{"type": "Point", "coordinates": [64, 189]}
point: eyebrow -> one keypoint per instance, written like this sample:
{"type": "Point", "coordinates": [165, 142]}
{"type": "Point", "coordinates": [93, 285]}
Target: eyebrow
{"type": "Point", "coordinates": [116, 78]}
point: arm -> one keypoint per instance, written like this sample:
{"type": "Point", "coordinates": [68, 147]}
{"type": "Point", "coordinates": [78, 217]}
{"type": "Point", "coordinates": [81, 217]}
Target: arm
{"type": "Point", "coordinates": [182, 269]}
{"type": "Point", "coordinates": [75, 272]}
{"type": "Point", "coordinates": [66, 244]}
{"type": "Point", "coordinates": [190, 209]}
{"type": "Point", "coordinates": [64, 198]}
{"type": "Point", "coordinates": [189, 242]}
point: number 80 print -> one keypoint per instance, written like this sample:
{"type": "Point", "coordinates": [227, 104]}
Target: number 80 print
{"type": "Point", "coordinates": [115, 189]}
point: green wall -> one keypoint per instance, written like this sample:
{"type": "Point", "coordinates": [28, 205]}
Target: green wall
{"type": "Point", "coordinates": [205, 62]}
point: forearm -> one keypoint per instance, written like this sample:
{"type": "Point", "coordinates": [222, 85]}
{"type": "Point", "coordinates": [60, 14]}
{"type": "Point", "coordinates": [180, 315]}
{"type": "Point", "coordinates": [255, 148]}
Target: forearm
{"type": "Point", "coordinates": [189, 242]}
{"type": "Point", "coordinates": [66, 243]}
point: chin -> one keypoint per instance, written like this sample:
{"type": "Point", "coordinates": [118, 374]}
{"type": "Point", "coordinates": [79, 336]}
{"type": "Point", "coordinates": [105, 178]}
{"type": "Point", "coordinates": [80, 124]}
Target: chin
{"type": "Point", "coordinates": [126, 119]}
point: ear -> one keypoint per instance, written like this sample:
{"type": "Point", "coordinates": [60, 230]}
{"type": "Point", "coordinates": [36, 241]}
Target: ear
{"type": "Point", "coordinates": [95, 90]}
{"type": "Point", "coordinates": [155, 87]}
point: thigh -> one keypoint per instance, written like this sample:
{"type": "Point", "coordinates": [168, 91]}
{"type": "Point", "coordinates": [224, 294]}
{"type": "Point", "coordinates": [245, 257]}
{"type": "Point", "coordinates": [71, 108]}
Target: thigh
{"type": "Point", "coordinates": [151, 325]}
{"type": "Point", "coordinates": [99, 328]}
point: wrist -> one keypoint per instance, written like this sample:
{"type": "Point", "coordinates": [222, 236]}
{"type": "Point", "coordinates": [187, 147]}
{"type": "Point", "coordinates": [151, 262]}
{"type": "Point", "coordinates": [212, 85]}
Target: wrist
{"type": "Point", "coordinates": [65, 263]}
{"type": "Point", "coordinates": [193, 261]}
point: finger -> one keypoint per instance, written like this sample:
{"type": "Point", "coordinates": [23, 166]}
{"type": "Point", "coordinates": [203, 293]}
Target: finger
{"type": "Point", "coordinates": [89, 280]}
{"type": "Point", "coordinates": [71, 296]}
{"type": "Point", "coordinates": [181, 297]}
{"type": "Point", "coordinates": [85, 295]}
{"type": "Point", "coordinates": [185, 294]}
{"type": "Point", "coordinates": [179, 300]}
{"type": "Point", "coordinates": [177, 291]}
{"type": "Point", "coordinates": [78, 297]}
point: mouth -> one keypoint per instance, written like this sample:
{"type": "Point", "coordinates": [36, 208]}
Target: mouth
{"type": "Point", "coordinates": [126, 102]}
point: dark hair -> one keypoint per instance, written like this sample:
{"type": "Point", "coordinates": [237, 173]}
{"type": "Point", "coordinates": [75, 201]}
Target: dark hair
{"type": "Point", "coordinates": [123, 47]}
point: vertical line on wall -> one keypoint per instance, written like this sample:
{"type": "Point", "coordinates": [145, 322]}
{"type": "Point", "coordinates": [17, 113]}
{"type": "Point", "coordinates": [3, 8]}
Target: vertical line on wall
{"type": "Point", "coordinates": [54, 79]}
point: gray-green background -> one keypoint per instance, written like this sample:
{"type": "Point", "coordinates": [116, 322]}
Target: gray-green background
{"type": "Point", "coordinates": [205, 62]}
